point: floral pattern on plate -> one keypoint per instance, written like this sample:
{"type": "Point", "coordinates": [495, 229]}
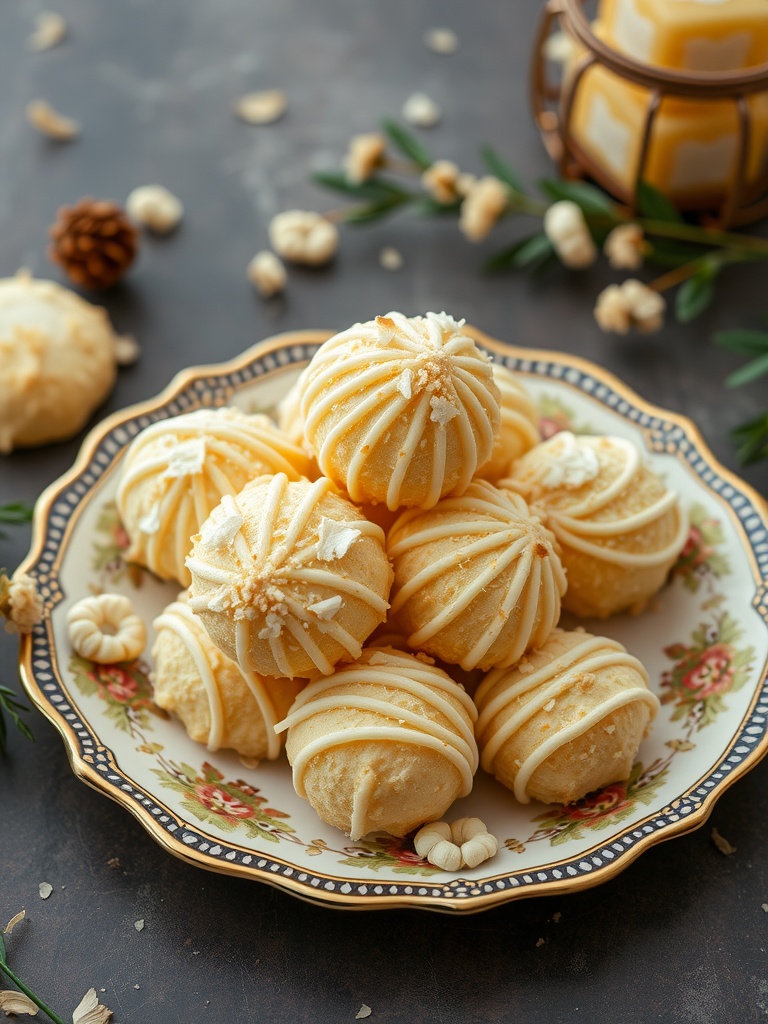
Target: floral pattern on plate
{"type": "Point", "coordinates": [214, 811]}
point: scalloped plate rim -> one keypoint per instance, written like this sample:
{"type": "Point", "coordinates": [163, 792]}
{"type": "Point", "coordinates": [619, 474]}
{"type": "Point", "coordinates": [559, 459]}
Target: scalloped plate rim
{"type": "Point", "coordinates": [471, 904]}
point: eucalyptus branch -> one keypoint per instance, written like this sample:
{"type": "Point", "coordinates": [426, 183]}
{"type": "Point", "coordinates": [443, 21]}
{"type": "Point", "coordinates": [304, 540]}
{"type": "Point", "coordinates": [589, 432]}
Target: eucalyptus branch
{"type": "Point", "coordinates": [693, 255]}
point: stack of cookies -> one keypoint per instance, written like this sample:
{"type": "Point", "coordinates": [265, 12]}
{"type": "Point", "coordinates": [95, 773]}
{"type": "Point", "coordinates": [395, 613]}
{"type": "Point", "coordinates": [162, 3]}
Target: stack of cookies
{"type": "Point", "coordinates": [401, 542]}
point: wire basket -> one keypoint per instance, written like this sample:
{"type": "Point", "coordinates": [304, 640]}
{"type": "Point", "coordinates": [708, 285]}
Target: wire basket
{"type": "Point", "coordinates": [743, 198]}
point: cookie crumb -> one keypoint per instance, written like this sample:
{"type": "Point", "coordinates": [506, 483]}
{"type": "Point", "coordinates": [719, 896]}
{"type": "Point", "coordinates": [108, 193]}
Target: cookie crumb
{"type": "Point", "coordinates": [363, 1012]}
{"type": "Point", "coordinates": [556, 917]}
{"type": "Point", "coordinates": [139, 925]}
{"type": "Point", "coordinates": [540, 942]}
{"type": "Point", "coordinates": [114, 863]}
{"type": "Point", "coordinates": [45, 889]}
{"type": "Point", "coordinates": [722, 844]}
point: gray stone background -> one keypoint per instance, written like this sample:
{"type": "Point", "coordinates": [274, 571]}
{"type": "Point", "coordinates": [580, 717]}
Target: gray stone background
{"type": "Point", "coordinates": [681, 935]}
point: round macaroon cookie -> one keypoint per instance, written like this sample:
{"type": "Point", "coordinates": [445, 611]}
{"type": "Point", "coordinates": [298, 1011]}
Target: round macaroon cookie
{"type": "Point", "coordinates": [401, 411]}
{"type": "Point", "coordinates": [176, 471]}
{"type": "Point", "coordinates": [565, 721]}
{"type": "Point", "coordinates": [478, 581]}
{"type": "Point", "coordinates": [218, 704]}
{"type": "Point", "coordinates": [289, 578]}
{"type": "Point", "coordinates": [384, 744]}
{"type": "Point", "coordinates": [619, 527]}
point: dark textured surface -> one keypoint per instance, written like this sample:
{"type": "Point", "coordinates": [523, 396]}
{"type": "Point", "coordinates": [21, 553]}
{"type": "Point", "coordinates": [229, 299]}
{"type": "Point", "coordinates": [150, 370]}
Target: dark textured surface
{"type": "Point", "coordinates": [681, 935]}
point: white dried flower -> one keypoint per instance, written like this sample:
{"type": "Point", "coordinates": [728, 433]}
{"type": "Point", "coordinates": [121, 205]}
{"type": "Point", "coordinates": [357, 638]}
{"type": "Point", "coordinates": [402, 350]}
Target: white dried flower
{"type": "Point", "coordinates": [267, 273]}
{"type": "Point", "coordinates": [154, 207]}
{"type": "Point", "coordinates": [262, 107]}
{"type": "Point", "coordinates": [559, 48]}
{"type": "Point", "coordinates": [632, 304]}
{"type": "Point", "coordinates": [50, 29]}
{"type": "Point", "coordinates": [441, 181]}
{"type": "Point", "coordinates": [22, 604]}
{"type": "Point", "coordinates": [391, 259]}
{"type": "Point", "coordinates": [421, 111]}
{"type": "Point", "coordinates": [105, 629]}
{"type": "Point", "coordinates": [463, 843]}
{"type": "Point", "coordinates": [50, 122]}
{"type": "Point", "coordinates": [302, 236]}
{"type": "Point", "coordinates": [483, 204]}
{"type": "Point", "coordinates": [441, 40]}
{"type": "Point", "coordinates": [127, 350]}
{"type": "Point", "coordinates": [624, 247]}
{"type": "Point", "coordinates": [16, 1002]}
{"type": "Point", "coordinates": [364, 156]}
{"type": "Point", "coordinates": [567, 230]}
{"type": "Point", "coordinates": [90, 1010]}
{"type": "Point", "coordinates": [465, 183]}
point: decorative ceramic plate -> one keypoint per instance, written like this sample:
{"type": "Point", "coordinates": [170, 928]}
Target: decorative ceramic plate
{"type": "Point", "coordinates": [705, 643]}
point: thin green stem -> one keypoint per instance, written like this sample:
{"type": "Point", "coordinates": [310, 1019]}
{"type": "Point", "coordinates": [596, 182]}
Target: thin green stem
{"type": "Point", "coordinates": [5, 969]}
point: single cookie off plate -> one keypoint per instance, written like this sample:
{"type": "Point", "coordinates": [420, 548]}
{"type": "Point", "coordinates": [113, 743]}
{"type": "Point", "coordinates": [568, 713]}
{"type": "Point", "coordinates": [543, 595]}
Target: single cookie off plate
{"type": "Point", "coordinates": [703, 640]}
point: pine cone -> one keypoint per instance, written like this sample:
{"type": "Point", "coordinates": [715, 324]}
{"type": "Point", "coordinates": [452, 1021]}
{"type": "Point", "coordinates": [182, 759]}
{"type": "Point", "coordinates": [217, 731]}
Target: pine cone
{"type": "Point", "coordinates": [94, 241]}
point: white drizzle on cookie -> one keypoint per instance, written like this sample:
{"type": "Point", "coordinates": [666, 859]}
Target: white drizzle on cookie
{"type": "Point", "coordinates": [186, 464]}
{"type": "Point", "coordinates": [420, 380]}
{"type": "Point", "coordinates": [391, 671]}
{"type": "Point", "coordinates": [552, 680]}
{"type": "Point", "coordinates": [567, 462]}
{"type": "Point", "coordinates": [269, 583]}
{"type": "Point", "coordinates": [491, 523]}
{"type": "Point", "coordinates": [180, 620]}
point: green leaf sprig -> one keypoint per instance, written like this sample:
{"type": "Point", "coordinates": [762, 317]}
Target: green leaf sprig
{"type": "Point", "coordinates": [752, 436]}
{"type": "Point", "coordinates": [6, 970]}
{"type": "Point", "coordinates": [692, 255]}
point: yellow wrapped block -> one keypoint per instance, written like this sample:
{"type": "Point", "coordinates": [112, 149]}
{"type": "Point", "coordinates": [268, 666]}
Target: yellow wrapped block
{"type": "Point", "coordinates": [694, 145]}
{"type": "Point", "coordinates": [692, 35]}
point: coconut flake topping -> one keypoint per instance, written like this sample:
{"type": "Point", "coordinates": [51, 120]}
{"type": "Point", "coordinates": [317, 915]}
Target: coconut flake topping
{"type": "Point", "coordinates": [443, 410]}
{"type": "Point", "coordinates": [574, 465]}
{"type": "Point", "coordinates": [222, 524]}
{"type": "Point", "coordinates": [335, 539]}
{"type": "Point", "coordinates": [186, 459]}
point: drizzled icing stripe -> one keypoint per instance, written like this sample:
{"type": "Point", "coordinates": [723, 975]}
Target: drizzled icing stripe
{"type": "Point", "coordinates": [552, 680]}
{"type": "Point", "coordinates": [574, 528]}
{"type": "Point", "coordinates": [492, 523]}
{"type": "Point", "coordinates": [259, 692]}
{"type": "Point", "coordinates": [390, 671]}
{"type": "Point", "coordinates": [246, 448]}
{"type": "Point", "coordinates": [180, 620]}
{"type": "Point", "coordinates": [285, 572]}
{"type": "Point", "coordinates": [360, 392]}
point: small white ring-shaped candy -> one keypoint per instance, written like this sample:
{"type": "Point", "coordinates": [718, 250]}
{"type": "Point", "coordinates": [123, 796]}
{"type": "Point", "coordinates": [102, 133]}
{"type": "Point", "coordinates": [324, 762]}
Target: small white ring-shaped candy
{"type": "Point", "coordinates": [105, 629]}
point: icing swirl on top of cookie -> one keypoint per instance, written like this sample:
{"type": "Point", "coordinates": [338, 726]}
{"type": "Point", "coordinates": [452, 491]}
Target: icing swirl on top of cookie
{"type": "Point", "coordinates": [576, 484]}
{"type": "Point", "coordinates": [279, 564]}
{"type": "Point", "coordinates": [483, 543]}
{"type": "Point", "coordinates": [399, 410]}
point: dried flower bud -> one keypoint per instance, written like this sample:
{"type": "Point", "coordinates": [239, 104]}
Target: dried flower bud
{"type": "Point", "coordinates": [441, 181]}
{"type": "Point", "coordinates": [364, 156]}
{"type": "Point", "coordinates": [421, 111]}
{"type": "Point", "coordinates": [20, 603]}
{"type": "Point", "coordinates": [50, 29]}
{"type": "Point", "coordinates": [484, 203]}
{"type": "Point", "coordinates": [50, 122]}
{"type": "Point", "coordinates": [441, 40]}
{"type": "Point", "coordinates": [262, 107]}
{"type": "Point", "coordinates": [266, 273]}
{"type": "Point", "coordinates": [632, 304]}
{"type": "Point", "coordinates": [464, 843]}
{"type": "Point", "coordinates": [302, 236]}
{"type": "Point", "coordinates": [154, 207]}
{"type": "Point", "coordinates": [624, 247]}
{"type": "Point", "coordinates": [567, 230]}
